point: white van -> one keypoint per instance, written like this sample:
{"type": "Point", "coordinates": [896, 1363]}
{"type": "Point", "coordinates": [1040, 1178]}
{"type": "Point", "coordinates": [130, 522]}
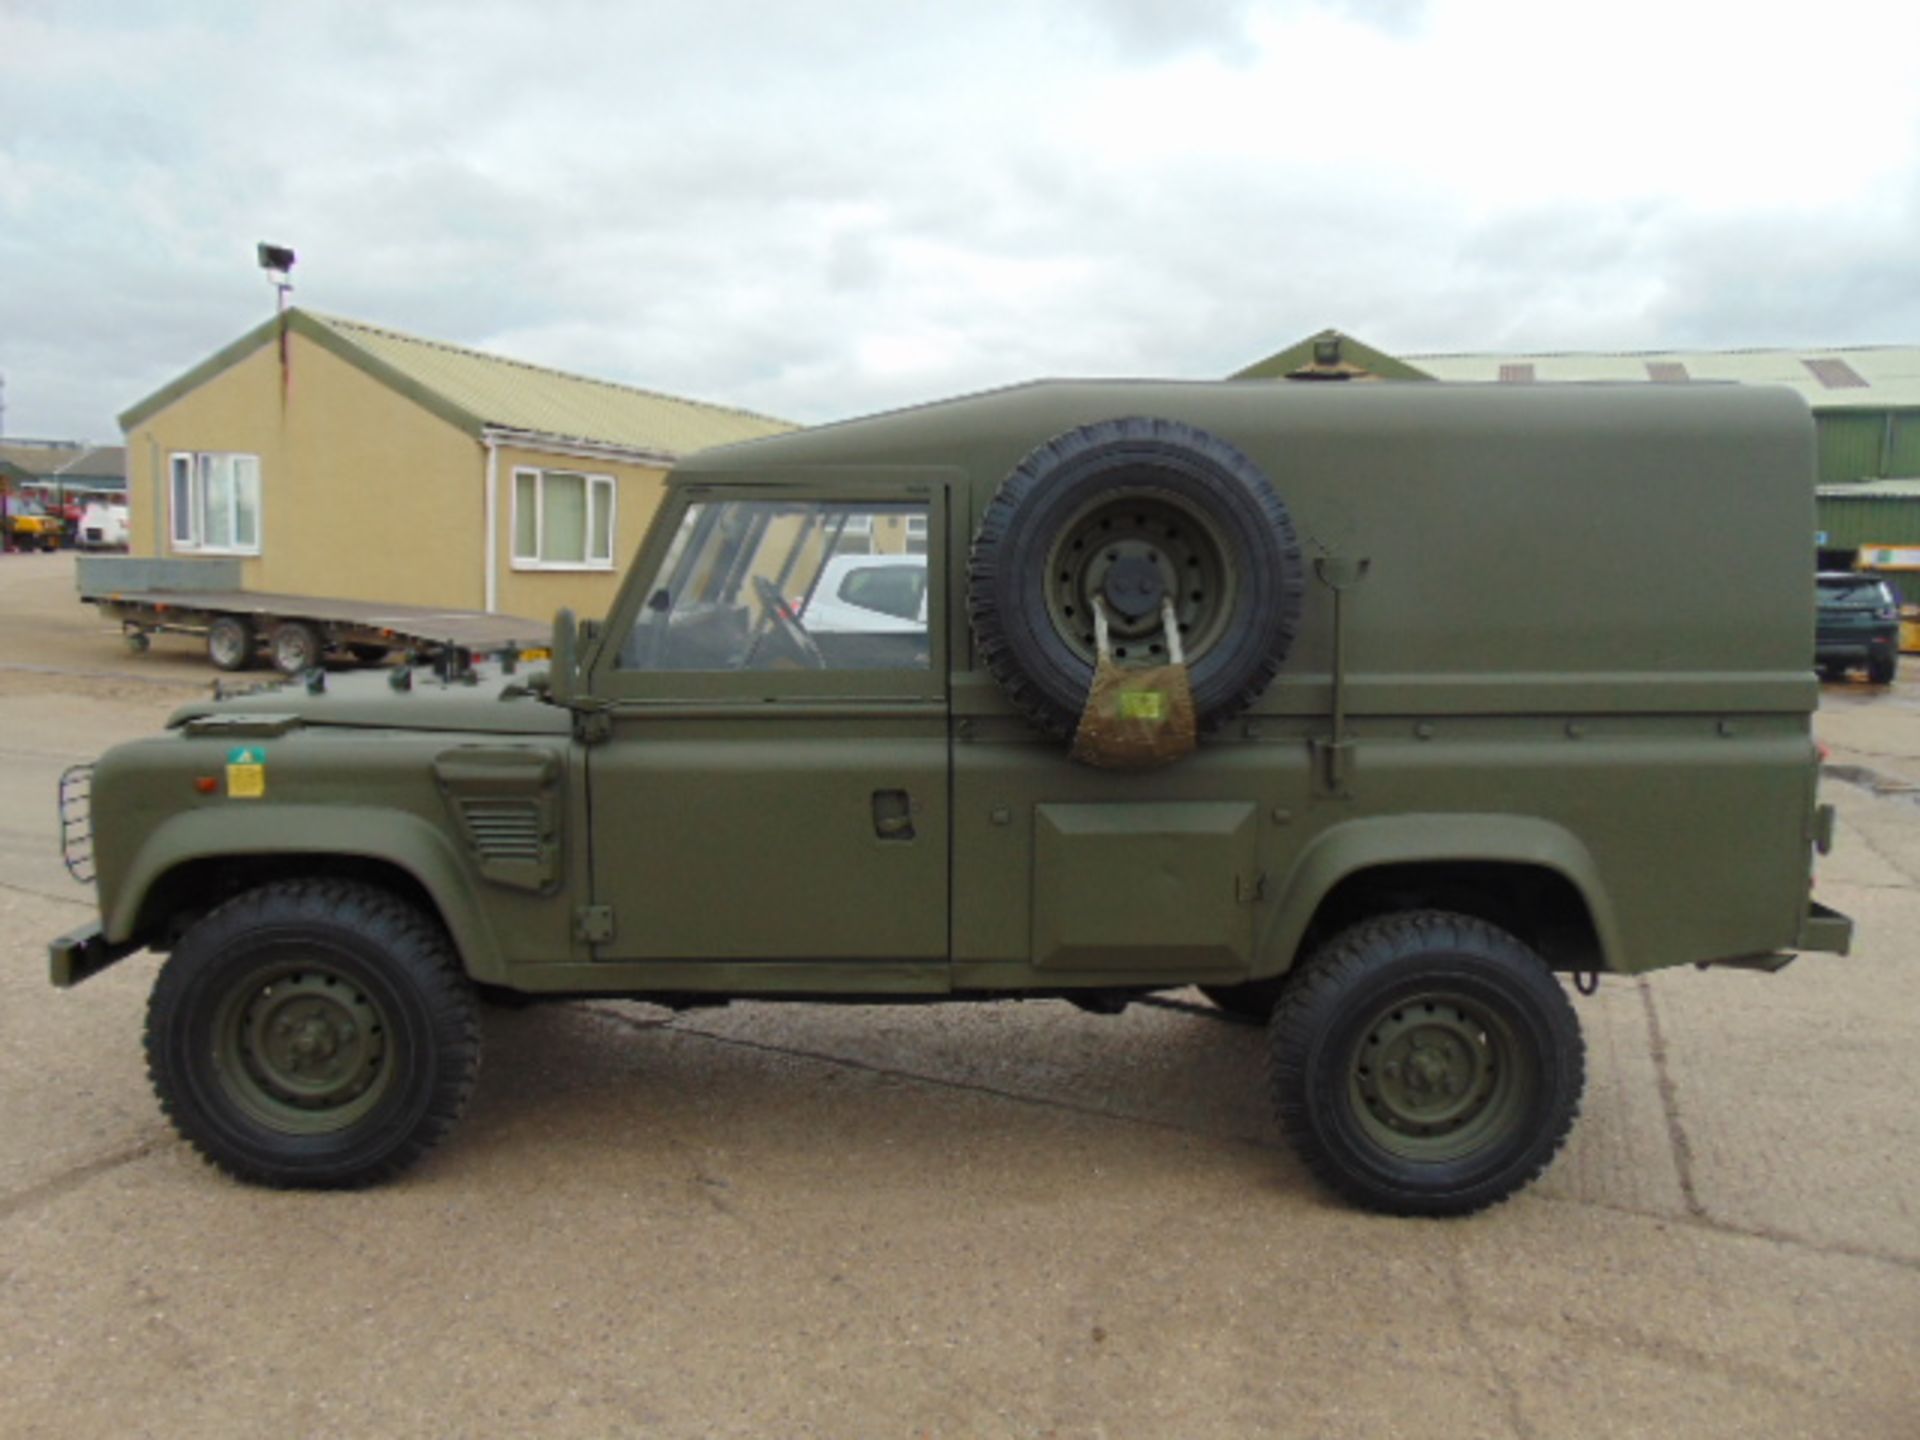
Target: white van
{"type": "Point", "coordinates": [103, 525]}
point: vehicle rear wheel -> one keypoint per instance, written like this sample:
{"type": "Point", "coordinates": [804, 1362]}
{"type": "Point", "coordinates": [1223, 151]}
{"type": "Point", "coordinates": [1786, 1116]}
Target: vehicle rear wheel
{"type": "Point", "coordinates": [313, 1033]}
{"type": "Point", "coordinates": [296, 647]}
{"type": "Point", "coordinates": [230, 643]}
{"type": "Point", "coordinates": [1426, 1063]}
{"type": "Point", "coordinates": [1881, 670]}
{"type": "Point", "coordinates": [1134, 512]}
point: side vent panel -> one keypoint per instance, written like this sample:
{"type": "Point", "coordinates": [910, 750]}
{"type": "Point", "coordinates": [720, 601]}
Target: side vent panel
{"type": "Point", "coordinates": [506, 799]}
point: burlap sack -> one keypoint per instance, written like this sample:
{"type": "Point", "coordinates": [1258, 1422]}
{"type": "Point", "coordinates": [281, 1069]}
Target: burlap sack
{"type": "Point", "coordinates": [1135, 719]}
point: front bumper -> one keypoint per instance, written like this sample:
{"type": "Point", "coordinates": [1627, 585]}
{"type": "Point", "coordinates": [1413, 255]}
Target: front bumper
{"type": "Point", "coordinates": [81, 954]}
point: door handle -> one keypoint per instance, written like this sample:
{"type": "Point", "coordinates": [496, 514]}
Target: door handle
{"type": "Point", "coordinates": [893, 815]}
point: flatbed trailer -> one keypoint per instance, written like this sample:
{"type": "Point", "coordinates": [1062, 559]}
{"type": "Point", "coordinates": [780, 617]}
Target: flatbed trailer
{"type": "Point", "coordinates": [292, 632]}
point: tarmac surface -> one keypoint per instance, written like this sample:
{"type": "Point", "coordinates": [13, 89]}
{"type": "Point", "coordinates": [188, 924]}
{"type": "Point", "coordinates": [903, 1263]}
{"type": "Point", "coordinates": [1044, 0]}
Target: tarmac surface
{"type": "Point", "coordinates": [959, 1221]}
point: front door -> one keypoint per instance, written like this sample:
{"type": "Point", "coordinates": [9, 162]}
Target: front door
{"type": "Point", "coordinates": [774, 786]}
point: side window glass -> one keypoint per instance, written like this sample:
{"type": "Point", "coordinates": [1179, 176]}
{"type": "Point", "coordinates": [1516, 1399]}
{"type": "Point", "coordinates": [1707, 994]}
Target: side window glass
{"type": "Point", "coordinates": [787, 585]}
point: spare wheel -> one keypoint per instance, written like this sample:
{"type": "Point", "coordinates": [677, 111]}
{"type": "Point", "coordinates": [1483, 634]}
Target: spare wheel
{"type": "Point", "coordinates": [1130, 511]}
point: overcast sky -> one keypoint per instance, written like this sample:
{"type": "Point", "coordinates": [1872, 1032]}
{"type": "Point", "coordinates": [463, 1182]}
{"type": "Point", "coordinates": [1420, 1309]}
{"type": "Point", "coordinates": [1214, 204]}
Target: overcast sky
{"type": "Point", "coordinates": [819, 209]}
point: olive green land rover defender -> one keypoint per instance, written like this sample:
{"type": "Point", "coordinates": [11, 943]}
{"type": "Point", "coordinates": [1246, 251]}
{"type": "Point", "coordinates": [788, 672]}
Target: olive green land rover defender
{"type": "Point", "coordinates": [1452, 695]}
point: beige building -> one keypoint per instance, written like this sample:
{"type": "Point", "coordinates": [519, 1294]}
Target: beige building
{"type": "Point", "coordinates": [339, 459]}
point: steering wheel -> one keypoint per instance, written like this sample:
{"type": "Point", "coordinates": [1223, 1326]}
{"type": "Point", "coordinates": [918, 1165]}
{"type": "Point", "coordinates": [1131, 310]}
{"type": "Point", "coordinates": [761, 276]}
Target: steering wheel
{"type": "Point", "coordinates": [788, 623]}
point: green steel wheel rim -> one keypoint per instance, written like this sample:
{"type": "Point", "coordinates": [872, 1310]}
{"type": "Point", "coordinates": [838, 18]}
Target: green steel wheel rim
{"type": "Point", "coordinates": [302, 1048]}
{"type": "Point", "coordinates": [1130, 549]}
{"type": "Point", "coordinates": [1440, 1077]}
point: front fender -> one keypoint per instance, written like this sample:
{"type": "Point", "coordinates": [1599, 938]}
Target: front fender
{"type": "Point", "coordinates": [1348, 848]}
{"type": "Point", "coordinates": [391, 837]}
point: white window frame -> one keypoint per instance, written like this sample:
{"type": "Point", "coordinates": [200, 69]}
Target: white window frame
{"type": "Point", "coordinates": [185, 531]}
{"type": "Point", "coordinates": [534, 562]}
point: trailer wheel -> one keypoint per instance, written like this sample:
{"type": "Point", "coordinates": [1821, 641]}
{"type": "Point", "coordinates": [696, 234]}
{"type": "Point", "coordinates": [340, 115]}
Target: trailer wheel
{"type": "Point", "coordinates": [230, 643]}
{"type": "Point", "coordinates": [296, 647]}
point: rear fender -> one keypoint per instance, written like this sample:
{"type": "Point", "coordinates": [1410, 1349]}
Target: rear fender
{"type": "Point", "coordinates": [1355, 846]}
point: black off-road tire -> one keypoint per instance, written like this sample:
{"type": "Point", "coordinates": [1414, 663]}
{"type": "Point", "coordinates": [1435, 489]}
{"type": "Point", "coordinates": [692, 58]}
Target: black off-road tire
{"type": "Point", "coordinates": [1426, 1063]}
{"type": "Point", "coordinates": [313, 1033]}
{"type": "Point", "coordinates": [230, 643]}
{"type": "Point", "coordinates": [296, 647]}
{"type": "Point", "coordinates": [1045, 672]}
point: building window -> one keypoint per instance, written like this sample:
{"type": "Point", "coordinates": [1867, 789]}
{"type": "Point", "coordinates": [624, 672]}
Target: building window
{"type": "Point", "coordinates": [215, 503]}
{"type": "Point", "coordinates": [562, 520]}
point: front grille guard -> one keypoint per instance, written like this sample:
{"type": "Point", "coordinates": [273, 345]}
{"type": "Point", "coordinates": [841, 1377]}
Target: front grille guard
{"type": "Point", "coordinates": [76, 822]}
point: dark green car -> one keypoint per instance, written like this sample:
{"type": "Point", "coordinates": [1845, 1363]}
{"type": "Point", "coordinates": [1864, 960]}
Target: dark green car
{"type": "Point", "coordinates": [1858, 627]}
{"type": "Point", "coordinates": [1376, 712]}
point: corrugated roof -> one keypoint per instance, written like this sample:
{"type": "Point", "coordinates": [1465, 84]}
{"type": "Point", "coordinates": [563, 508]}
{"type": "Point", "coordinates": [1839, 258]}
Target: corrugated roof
{"type": "Point", "coordinates": [1890, 374]}
{"type": "Point", "coordinates": [476, 391]}
{"type": "Point", "coordinates": [61, 459]}
{"type": "Point", "coordinates": [515, 395]}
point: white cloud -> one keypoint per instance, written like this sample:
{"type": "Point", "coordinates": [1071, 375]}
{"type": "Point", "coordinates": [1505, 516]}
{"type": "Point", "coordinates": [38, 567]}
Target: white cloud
{"type": "Point", "coordinates": [817, 210]}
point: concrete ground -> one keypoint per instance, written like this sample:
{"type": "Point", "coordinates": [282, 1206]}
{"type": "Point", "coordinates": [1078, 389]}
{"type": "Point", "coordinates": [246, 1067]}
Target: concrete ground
{"type": "Point", "coordinates": [964, 1221]}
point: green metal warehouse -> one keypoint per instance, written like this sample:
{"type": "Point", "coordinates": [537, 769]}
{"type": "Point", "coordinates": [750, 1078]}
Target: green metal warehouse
{"type": "Point", "coordinates": [1866, 400]}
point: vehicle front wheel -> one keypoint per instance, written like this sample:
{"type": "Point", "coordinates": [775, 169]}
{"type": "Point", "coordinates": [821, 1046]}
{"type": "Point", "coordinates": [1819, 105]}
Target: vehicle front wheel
{"type": "Point", "coordinates": [313, 1033]}
{"type": "Point", "coordinates": [1426, 1063]}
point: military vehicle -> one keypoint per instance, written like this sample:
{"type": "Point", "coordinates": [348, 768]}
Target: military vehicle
{"type": "Point", "coordinates": [1493, 688]}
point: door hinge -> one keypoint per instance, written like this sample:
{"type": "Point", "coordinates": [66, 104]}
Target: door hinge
{"type": "Point", "coordinates": [592, 727]}
{"type": "Point", "coordinates": [593, 924]}
{"type": "Point", "coordinates": [1250, 889]}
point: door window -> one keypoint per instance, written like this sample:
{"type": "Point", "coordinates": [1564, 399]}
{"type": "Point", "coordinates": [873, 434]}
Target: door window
{"type": "Point", "coordinates": [751, 585]}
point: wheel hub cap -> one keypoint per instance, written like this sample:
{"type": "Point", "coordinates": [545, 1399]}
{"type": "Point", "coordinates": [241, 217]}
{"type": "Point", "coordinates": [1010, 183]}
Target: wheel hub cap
{"type": "Point", "coordinates": [1134, 586]}
{"type": "Point", "coordinates": [1433, 1075]}
{"type": "Point", "coordinates": [1133, 551]}
{"type": "Point", "coordinates": [311, 1041]}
